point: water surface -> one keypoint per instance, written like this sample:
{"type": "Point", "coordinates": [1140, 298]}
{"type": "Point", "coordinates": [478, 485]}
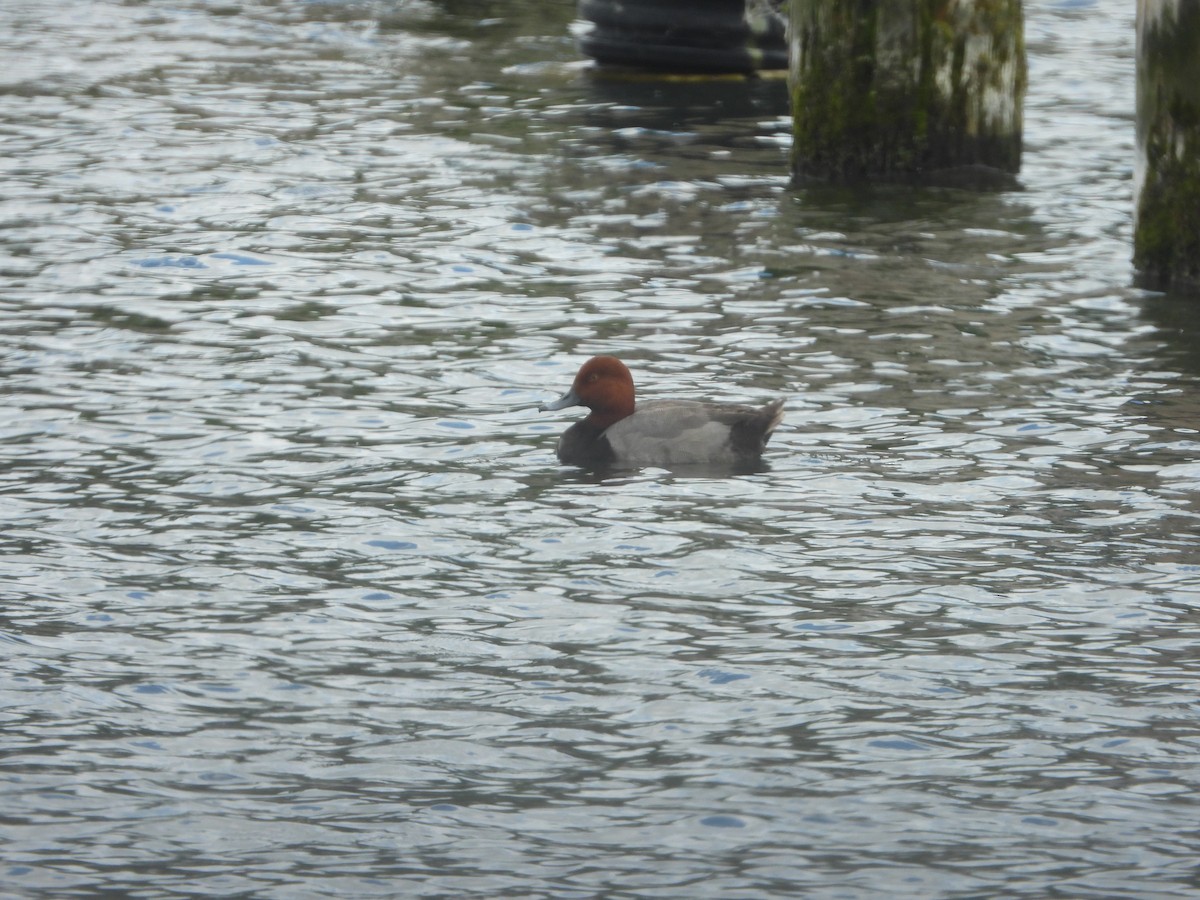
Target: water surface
{"type": "Point", "coordinates": [296, 600]}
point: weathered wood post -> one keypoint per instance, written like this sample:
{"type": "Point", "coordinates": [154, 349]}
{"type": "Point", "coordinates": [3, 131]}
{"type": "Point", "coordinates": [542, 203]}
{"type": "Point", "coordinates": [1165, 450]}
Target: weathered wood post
{"type": "Point", "coordinates": [905, 89]}
{"type": "Point", "coordinates": [1166, 237]}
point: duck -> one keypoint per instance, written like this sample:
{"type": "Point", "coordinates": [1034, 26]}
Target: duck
{"type": "Point", "coordinates": [665, 433]}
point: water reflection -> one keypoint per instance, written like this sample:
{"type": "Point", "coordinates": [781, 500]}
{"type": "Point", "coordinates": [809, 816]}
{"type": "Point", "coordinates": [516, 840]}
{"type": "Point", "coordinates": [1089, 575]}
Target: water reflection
{"type": "Point", "coordinates": [1177, 325]}
{"type": "Point", "coordinates": [296, 598]}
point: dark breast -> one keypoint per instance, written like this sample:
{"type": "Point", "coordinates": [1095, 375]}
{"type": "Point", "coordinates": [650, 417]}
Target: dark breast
{"type": "Point", "coordinates": [585, 445]}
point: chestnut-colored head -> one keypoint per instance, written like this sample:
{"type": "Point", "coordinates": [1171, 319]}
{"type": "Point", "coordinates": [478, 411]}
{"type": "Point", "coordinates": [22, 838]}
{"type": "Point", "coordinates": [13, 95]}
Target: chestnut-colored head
{"type": "Point", "coordinates": [604, 385]}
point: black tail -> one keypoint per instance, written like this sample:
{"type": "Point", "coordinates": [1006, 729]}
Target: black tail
{"type": "Point", "coordinates": [752, 430]}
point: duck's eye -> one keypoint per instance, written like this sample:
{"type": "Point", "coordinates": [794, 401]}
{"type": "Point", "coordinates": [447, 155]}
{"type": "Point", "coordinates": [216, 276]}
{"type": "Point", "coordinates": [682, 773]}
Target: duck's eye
{"type": "Point", "coordinates": [592, 377]}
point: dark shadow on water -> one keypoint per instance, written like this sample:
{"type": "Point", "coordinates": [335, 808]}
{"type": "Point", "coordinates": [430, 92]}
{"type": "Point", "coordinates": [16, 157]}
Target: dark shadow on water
{"type": "Point", "coordinates": [616, 475]}
{"type": "Point", "coordinates": [1177, 318]}
{"type": "Point", "coordinates": [654, 101]}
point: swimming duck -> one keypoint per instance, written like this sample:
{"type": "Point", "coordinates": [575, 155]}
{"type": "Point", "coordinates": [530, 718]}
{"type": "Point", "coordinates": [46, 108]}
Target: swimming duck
{"type": "Point", "coordinates": [659, 432]}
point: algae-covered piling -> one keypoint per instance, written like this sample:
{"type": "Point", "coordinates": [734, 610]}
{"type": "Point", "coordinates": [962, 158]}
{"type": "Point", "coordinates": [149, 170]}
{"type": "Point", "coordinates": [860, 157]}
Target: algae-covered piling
{"type": "Point", "coordinates": [1166, 242]}
{"type": "Point", "coordinates": [896, 89]}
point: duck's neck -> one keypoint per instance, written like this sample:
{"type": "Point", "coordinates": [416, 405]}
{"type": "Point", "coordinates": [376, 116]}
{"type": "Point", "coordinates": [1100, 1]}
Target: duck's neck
{"type": "Point", "coordinates": [602, 418]}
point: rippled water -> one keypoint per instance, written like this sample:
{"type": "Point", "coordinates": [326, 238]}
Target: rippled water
{"type": "Point", "coordinates": [297, 602]}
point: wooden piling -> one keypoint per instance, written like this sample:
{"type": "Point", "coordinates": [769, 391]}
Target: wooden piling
{"type": "Point", "coordinates": [905, 89]}
{"type": "Point", "coordinates": [1166, 240]}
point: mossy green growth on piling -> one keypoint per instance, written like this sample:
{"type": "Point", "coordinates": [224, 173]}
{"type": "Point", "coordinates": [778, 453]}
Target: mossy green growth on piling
{"type": "Point", "coordinates": [1166, 239]}
{"type": "Point", "coordinates": [897, 89]}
